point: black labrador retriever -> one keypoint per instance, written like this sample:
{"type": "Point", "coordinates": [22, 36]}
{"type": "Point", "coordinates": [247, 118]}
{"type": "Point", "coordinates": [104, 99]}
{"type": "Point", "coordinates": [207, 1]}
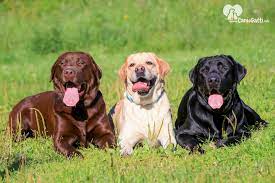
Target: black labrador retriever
{"type": "Point", "coordinates": [212, 108]}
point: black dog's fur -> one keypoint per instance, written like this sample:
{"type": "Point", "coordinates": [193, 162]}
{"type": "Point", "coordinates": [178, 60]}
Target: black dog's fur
{"type": "Point", "coordinates": [197, 121]}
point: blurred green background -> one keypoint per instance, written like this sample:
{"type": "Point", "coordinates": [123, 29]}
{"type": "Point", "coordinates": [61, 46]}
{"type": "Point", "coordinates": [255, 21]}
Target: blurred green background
{"type": "Point", "coordinates": [44, 27]}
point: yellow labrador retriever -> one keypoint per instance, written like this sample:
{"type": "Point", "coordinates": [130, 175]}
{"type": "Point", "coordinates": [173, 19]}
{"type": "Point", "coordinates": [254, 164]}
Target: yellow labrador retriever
{"type": "Point", "coordinates": [144, 112]}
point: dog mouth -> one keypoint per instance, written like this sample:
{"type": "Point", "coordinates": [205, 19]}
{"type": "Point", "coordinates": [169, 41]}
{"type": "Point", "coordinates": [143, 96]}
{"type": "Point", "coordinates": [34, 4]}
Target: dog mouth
{"type": "Point", "coordinates": [143, 86]}
{"type": "Point", "coordinates": [73, 92]}
{"type": "Point", "coordinates": [80, 87]}
{"type": "Point", "coordinates": [213, 92]}
{"type": "Point", "coordinates": [215, 99]}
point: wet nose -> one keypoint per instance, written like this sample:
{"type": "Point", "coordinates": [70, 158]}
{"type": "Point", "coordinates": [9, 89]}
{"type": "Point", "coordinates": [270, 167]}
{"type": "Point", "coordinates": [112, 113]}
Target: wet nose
{"type": "Point", "coordinates": [140, 69]}
{"type": "Point", "coordinates": [69, 74]}
{"type": "Point", "coordinates": [213, 80]}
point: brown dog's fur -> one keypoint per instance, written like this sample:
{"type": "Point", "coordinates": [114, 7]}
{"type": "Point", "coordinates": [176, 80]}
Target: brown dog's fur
{"type": "Point", "coordinates": [82, 124]}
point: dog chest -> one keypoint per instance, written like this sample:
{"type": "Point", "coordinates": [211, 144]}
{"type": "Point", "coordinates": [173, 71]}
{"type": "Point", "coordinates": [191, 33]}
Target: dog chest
{"type": "Point", "coordinates": [146, 117]}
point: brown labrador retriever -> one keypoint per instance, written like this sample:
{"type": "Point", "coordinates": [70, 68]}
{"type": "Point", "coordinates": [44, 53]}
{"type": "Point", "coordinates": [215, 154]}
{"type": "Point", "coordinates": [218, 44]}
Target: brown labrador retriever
{"type": "Point", "coordinates": [73, 114]}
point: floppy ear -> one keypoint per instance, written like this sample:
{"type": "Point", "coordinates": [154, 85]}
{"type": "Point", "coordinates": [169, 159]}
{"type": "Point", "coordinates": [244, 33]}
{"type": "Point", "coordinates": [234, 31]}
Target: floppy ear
{"type": "Point", "coordinates": [239, 70]}
{"type": "Point", "coordinates": [164, 67]}
{"type": "Point", "coordinates": [95, 68]}
{"type": "Point", "coordinates": [192, 75]}
{"type": "Point", "coordinates": [122, 72]}
{"type": "Point", "coordinates": [97, 71]}
{"type": "Point", "coordinates": [54, 67]}
{"type": "Point", "coordinates": [53, 72]}
{"type": "Point", "coordinates": [193, 72]}
{"type": "Point", "coordinates": [56, 83]}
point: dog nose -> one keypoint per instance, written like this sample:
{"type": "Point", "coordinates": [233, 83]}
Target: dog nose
{"type": "Point", "coordinates": [140, 69]}
{"type": "Point", "coordinates": [213, 80]}
{"type": "Point", "coordinates": [69, 74]}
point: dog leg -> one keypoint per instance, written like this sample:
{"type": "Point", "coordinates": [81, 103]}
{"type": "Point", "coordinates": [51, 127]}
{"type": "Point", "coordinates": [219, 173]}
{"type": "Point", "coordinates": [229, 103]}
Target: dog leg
{"type": "Point", "coordinates": [64, 145]}
{"type": "Point", "coordinates": [189, 142]}
{"type": "Point", "coordinates": [252, 117]}
{"type": "Point", "coordinates": [167, 135]}
{"type": "Point", "coordinates": [127, 140]}
{"type": "Point", "coordinates": [103, 137]}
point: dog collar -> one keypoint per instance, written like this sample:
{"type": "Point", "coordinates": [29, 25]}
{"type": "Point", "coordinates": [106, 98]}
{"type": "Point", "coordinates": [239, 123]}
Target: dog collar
{"type": "Point", "coordinates": [130, 98]}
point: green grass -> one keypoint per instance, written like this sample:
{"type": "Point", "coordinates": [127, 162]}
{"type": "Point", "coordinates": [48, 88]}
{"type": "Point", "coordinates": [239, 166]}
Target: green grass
{"type": "Point", "coordinates": [33, 34]}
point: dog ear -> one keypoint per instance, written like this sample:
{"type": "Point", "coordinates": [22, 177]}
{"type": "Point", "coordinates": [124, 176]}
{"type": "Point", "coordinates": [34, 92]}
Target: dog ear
{"type": "Point", "coordinates": [239, 70]}
{"type": "Point", "coordinates": [56, 83]}
{"type": "Point", "coordinates": [192, 75]}
{"type": "Point", "coordinates": [96, 69]}
{"type": "Point", "coordinates": [54, 67]}
{"type": "Point", "coordinates": [53, 72]}
{"type": "Point", "coordinates": [193, 72]}
{"type": "Point", "coordinates": [123, 72]}
{"type": "Point", "coordinates": [164, 67]}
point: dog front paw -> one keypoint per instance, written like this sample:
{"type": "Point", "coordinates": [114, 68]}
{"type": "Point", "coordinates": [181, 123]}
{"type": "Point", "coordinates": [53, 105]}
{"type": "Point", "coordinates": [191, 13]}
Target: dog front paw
{"type": "Point", "coordinates": [126, 151]}
{"type": "Point", "coordinates": [74, 154]}
{"type": "Point", "coordinates": [195, 149]}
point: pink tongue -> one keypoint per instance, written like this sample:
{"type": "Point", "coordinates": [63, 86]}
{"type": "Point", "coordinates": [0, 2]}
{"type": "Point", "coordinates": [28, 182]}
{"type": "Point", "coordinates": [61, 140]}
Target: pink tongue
{"type": "Point", "coordinates": [215, 101]}
{"type": "Point", "coordinates": [71, 97]}
{"type": "Point", "coordinates": [140, 86]}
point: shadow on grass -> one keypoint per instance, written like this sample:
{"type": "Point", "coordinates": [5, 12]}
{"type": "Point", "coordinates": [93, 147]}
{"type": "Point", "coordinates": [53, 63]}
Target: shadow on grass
{"type": "Point", "coordinates": [18, 162]}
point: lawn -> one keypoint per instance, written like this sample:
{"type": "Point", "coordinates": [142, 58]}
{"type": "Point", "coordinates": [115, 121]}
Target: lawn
{"type": "Point", "coordinates": [34, 33]}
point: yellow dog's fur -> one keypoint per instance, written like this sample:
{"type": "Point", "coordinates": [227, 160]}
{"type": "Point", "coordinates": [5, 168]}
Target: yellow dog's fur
{"type": "Point", "coordinates": [144, 117]}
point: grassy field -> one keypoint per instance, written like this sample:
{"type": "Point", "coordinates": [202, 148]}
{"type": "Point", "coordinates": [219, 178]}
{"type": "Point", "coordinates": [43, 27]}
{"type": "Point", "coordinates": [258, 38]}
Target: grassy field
{"type": "Point", "coordinates": [34, 33]}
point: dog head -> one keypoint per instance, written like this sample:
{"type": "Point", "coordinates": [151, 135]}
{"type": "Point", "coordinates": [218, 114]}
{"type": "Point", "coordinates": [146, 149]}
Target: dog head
{"type": "Point", "coordinates": [143, 75]}
{"type": "Point", "coordinates": [76, 76]}
{"type": "Point", "coordinates": [215, 78]}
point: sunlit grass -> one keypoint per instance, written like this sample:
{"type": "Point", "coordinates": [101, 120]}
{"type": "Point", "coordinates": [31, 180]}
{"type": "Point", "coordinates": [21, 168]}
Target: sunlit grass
{"type": "Point", "coordinates": [34, 33]}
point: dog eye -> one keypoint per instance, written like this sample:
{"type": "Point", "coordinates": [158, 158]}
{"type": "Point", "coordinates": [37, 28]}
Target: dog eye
{"type": "Point", "coordinates": [149, 63]}
{"type": "Point", "coordinates": [223, 68]}
{"type": "Point", "coordinates": [204, 70]}
{"type": "Point", "coordinates": [80, 62]}
{"type": "Point", "coordinates": [62, 62]}
{"type": "Point", "coordinates": [132, 65]}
